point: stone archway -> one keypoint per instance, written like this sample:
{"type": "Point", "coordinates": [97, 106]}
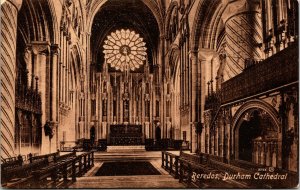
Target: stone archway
{"type": "Point", "coordinates": [256, 134]}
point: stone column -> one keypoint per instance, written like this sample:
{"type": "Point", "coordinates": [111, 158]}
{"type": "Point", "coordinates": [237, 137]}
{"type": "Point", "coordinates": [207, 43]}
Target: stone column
{"type": "Point", "coordinates": [9, 10]}
{"type": "Point", "coordinates": [243, 33]}
{"type": "Point", "coordinates": [121, 99]}
{"type": "Point", "coordinates": [227, 122]}
{"type": "Point", "coordinates": [161, 65]}
{"type": "Point", "coordinates": [54, 83]}
{"type": "Point", "coordinates": [63, 66]}
{"type": "Point", "coordinates": [54, 95]}
{"type": "Point", "coordinates": [194, 119]}
{"type": "Point", "coordinates": [29, 64]}
{"type": "Point", "coordinates": [209, 68]}
{"type": "Point", "coordinates": [41, 50]}
{"type": "Point", "coordinates": [216, 138]}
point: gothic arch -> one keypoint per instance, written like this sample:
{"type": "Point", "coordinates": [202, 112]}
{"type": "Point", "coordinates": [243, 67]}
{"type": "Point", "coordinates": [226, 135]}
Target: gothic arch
{"type": "Point", "coordinates": [171, 8]}
{"type": "Point", "coordinates": [174, 61]}
{"type": "Point", "coordinates": [95, 6]}
{"type": "Point", "coordinates": [33, 28]}
{"type": "Point", "coordinates": [55, 27]}
{"type": "Point", "coordinates": [237, 120]}
{"type": "Point", "coordinates": [256, 104]}
{"type": "Point", "coordinates": [207, 24]}
{"type": "Point", "coordinates": [36, 37]}
{"type": "Point", "coordinates": [76, 64]}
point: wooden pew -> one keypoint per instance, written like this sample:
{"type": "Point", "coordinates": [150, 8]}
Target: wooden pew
{"type": "Point", "coordinates": [46, 171]}
{"type": "Point", "coordinates": [189, 165]}
{"type": "Point", "coordinates": [15, 177]}
{"type": "Point", "coordinates": [65, 171]}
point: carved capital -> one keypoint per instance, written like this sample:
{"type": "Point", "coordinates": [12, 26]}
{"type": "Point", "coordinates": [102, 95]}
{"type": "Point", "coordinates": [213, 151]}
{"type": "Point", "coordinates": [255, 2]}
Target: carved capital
{"type": "Point", "coordinates": [193, 54]}
{"type": "Point", "coordinates": [235, 7]}
{"type": "Point", "coordinates": [39, 47]}
{"type": "Point", "coordinates": [206, 54]}
{"type": "Point", "coordinates": [69, 3]}
{"type": "Point", "coordinates": [162, 36]}
{"type": "Point", "coordinates": [55, 49]}
{"type": "Point", "coordinates": [27, 52]}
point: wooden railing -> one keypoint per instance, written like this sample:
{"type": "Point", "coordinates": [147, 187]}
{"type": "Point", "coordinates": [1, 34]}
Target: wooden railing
{"type": "Point", "coordinates": [170, 162]}
{"type": "Point", "coordinates": [47, 171]}
{"type": "Point", "coordinates": [83, 145]}
{"type": "Point", "coordinates": [185, 166]}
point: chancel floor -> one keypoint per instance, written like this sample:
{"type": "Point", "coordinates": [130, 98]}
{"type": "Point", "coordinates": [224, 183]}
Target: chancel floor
{"type": "Point", "coordinates": [127, 170]}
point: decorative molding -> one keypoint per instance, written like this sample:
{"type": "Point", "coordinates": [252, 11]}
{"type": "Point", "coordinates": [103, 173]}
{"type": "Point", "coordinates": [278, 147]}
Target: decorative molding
{"type": "Point", "coordinates": [256, 104]}
{"type": "Point", "coordinates": [39, 47]}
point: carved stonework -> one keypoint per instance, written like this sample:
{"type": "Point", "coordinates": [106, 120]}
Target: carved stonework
{"type": "Point", "coordinates": [40, 47]}
{"type": "Point", "coordinates": [227, 116]}
{"type": "Point", "coordinates": [235, 7]}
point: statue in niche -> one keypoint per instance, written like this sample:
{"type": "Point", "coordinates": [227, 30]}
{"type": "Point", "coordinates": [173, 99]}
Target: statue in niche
{"type": "Point", "coordinates": [92, 135]}
{"type": "Point", "coordinates": [104, 87]}
{"type": "Point", "coordinates": [158, 132]}
{"type": "Point", "coordinates": [126, 110]}
{"type": "Point", "coordinates": [221, 68]}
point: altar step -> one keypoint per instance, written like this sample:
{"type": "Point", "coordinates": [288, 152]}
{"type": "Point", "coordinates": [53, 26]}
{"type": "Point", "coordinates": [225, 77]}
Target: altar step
{"type": "Point", "coordinates": [127, 156]}
{"type": "Point", "coordinates": [124, 149]}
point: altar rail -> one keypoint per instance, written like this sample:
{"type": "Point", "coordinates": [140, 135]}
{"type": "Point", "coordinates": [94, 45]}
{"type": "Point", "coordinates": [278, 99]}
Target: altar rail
{"type": "Point", "coordinates": [46, 171]}
{"type": "Point", "coordinates": [166, 144]}
{"type": "Point", "coordinates": [83, 145]}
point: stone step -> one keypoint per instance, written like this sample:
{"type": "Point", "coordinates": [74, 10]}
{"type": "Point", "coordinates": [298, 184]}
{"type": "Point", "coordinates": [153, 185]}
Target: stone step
{"type": "Point", "coordinates": [124, 149]}
{"type": "Point", "coordinates": [116, 156]}
{"type": "Point", "coordinates": [127, 156]}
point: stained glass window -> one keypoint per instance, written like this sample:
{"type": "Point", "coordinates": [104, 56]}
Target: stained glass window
{"type": "Point", "coordinates": [125, 50]}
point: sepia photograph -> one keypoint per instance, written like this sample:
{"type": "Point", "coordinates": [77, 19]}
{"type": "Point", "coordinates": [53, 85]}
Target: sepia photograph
{"type": "Point", "coordinates": [149, 94]}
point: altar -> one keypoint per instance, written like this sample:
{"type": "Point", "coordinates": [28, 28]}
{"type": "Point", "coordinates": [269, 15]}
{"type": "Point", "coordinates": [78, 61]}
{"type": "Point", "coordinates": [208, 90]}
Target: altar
{"type": "Point", "coordinates": [126, 134]}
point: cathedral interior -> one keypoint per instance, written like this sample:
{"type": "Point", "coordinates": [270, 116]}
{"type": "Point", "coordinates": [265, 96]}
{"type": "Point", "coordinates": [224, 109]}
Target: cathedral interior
{"type": "Point", "coordinates": [195, 86]}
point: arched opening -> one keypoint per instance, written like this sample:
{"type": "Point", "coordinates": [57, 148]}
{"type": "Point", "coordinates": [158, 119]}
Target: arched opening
{"type": "Point", "coordinates": [34, 51]}
{"type": "Point", "coordinates": [256, 138]}
{"type": "Point", "coordinates": [249, 130]}
{"type": "Point", "coordinates": [124, 51]}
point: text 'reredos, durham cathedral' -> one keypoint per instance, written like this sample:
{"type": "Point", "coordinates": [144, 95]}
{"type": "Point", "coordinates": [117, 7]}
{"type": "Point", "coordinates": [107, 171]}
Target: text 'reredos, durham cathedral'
{"type": "Point", "coordinates": [172, 93]}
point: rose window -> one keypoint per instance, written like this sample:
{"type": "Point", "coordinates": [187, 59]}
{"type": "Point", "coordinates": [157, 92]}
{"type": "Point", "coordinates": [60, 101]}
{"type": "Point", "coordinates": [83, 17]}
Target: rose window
{"type": "Point", "coordinates": [125, 50]}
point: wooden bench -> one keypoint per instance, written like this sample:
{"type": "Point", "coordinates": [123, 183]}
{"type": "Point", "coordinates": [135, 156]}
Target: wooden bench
{"type": "Point", "coordinates": [50, 157]}
{"type": "Point", "coordinates": [192, 165]}
{"type": "Point", "coordinates": [11, 163]}
{"type": "Point", "coordinates": [17, 174]}
{"type": "Point", "coordinates": [14, 177]}
{"type": "Point", "coordinates": [64, 171]}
